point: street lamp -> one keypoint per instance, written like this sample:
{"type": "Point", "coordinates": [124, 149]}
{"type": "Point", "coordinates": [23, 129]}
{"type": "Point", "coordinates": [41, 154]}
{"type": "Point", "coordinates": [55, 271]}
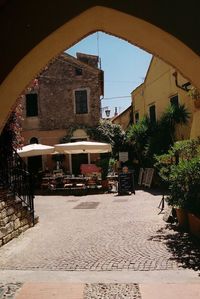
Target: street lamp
{"type": "Point", "coordinates": [107, 112]}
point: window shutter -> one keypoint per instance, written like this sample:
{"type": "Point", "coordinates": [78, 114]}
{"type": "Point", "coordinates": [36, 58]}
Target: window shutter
{"type": "Point", "coordinates": [81, 101]}
{"type": "Point", "coordinates": [152, 113]}
{"type": "Point", "coordinates": [174, 101]}
{"type": "Point", "coordinates": [136, 117]}
{"type": "Point", "coordinates": [32, 104]}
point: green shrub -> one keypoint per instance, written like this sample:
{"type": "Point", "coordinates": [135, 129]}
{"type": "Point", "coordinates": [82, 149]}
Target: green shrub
{"type": "Point", "coordinates": [104, 164]}
{"type": "Point", "coordinates": [184, 185]}
{"type": "Point", "coordinates": [180, 168]}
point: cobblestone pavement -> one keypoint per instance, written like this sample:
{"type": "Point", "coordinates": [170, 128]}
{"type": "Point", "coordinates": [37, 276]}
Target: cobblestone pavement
{"type": "Point", "coordinates": [8, 291]}
{"type": "Point", "coordinates": [112, 290]}
{"type": "Point", "coordinates": [121, 232]}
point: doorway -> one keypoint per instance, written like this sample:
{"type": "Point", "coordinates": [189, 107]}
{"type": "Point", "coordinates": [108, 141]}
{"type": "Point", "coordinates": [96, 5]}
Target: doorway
{"type": "Point", "coordinates": [34, 164]}
{"type": "Point", "coordinates": [77, 160]}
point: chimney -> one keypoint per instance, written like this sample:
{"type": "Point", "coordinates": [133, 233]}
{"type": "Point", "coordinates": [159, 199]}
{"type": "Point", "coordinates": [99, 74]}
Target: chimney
{"type": "Point", "coordinates": [115, 112]}
{"type": "Point", "coordinates": [91, 60]}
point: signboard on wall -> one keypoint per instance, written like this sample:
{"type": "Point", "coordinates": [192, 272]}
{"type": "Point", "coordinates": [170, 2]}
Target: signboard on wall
{"type": "Point", "coordinates": [123, 156]}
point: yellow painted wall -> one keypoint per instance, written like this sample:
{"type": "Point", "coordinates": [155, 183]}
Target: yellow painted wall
{"type": "Point", "coordinates": [123, 119]}
{"type": "Point", "coordinates": [158, 87]}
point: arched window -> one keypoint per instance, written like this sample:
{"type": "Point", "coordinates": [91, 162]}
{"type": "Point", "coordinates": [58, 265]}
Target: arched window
{"type": "Point", "coordinates": [33, 140]}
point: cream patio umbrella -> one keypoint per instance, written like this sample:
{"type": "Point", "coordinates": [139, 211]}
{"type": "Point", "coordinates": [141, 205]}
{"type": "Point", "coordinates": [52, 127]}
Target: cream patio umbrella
{"type": "Point", "coordinates": [83, 147]}
{"type": "Point", "coordinates": [35, 149]}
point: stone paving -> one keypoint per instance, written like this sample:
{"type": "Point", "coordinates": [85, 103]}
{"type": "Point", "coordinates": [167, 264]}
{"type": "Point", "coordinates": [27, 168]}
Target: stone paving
{"type": "Point", "coordinates": [115, 233]}
{"type": "Point", "coordinates": [107, 242]}
{"type": "Point", "coordinates": [103, 291]}
{"type": "Point", "coordinates": [8, 291]}
{"type": "Point", "coordinates": [78, 291]}
{"type": "Point", "coordinates": [112, 290]}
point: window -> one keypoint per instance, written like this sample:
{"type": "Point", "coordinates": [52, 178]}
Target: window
{"type": "Point", "coordinates": [73, 139]}
{"type": "Point", "coordinates": [174, 101]}
{"type": "Point", "coordinates": [32, 104]}
{"type": "Point", "coordinates": [136, 117]}
{"type": "Point", "coordinates": [33, 140]}
{"type": "Point", "coordinates": [152, 113]}
{"type": "Point", "coordinates": [78, 71]}
{"type": "Point", "coordinates": [81, 101]}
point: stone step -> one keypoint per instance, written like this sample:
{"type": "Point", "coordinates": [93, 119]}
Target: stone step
{"type": "Point", "coordinates": [171, 290]}
{"type": "Point", "coordinates": [50, 290]}
{"type": "Point", "coordinates": [63, 290]}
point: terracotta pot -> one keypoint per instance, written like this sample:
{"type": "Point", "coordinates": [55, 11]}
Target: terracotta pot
{"type": "Point", "coordinates": [194, 223]}
{"type": "Point", "coordinates": [104, 184]}
{"type": "Point", "coordinates": [197, 103]}
{"type": "Point", "coordinates": [182, 216]}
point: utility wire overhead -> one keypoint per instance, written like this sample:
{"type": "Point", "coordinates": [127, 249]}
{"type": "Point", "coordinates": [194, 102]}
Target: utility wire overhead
{"type": "Point", "coordinates": [109, 98]}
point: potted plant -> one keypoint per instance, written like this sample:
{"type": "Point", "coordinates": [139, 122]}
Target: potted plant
{"type": "Point", "coordinates": [185, 192]}
{"type": "Point", "coordinates": [178, 194]}
{"type": "Point", "coordinates": [104, 164]}
{"type": "Point", "coordinates": [194, 204]}
{"type": "Point", "coordinates": [194, 93]}
{"type": "Point", "coordinates": [194, 223]}
{"type": "Point", "coordinates": [182, 171]}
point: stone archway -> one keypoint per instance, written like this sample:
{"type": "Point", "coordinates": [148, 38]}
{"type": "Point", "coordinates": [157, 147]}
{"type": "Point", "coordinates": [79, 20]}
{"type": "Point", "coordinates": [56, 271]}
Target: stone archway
{"type": "Point", "coordinates": [132, 29]}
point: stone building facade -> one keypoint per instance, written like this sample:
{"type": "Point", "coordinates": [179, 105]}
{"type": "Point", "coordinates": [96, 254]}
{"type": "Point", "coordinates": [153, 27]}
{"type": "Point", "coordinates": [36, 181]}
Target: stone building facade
{"type": "Point", "coordinates": [64, 102]}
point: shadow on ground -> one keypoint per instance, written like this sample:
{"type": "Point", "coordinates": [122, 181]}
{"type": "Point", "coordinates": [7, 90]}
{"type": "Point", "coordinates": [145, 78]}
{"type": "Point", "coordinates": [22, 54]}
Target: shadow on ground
{"type": "Point", "coordinates": [184, 248]}
{"type": "Point", "coordinates": [153, 191]}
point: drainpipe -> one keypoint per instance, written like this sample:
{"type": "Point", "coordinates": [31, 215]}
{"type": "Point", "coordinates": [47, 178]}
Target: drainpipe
{"type": "Point", "coordinates": [184, 86]}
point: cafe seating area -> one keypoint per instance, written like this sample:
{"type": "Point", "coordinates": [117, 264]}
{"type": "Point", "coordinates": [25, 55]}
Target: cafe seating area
{"type": "Point", "coordinates": [58, 182]}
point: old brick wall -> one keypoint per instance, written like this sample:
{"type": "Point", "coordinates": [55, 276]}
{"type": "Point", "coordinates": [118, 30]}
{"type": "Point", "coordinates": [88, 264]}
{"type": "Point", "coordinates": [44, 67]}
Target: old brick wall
{"type": "Point", "coordinates": [14, 219]}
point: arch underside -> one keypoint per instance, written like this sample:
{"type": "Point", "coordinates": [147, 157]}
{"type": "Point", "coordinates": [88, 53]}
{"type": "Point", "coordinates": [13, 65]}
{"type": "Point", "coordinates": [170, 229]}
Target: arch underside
{"type": "Point", "coordinates": [134, 30]}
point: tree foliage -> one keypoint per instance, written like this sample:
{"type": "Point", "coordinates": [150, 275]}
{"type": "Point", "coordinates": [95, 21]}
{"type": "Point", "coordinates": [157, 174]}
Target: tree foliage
{"type": "Point", "coordinates": [138, 135]}
{"type": "Point", "coordinates": [11, 135]}
{"type": "Point", "coordinates": [173, 116]}
{"type": "Point", "coordinates": [149, 138]}
{"type": "Point", "coordinates": [180, 168]}
{"type": "Point", "coordinates": [194, 93]}
{"type": "Point", "coordinates": [111, 133]}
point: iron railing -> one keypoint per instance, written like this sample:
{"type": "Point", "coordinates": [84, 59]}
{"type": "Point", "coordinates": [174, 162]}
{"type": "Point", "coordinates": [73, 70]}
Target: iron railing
{"type": "Point", "coordinates": [15, 177]}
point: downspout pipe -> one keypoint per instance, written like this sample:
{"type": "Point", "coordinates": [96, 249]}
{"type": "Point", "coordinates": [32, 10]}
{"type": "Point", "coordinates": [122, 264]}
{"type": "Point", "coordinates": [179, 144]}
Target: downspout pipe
{"type": "Point", "coordinates": [184, 86]}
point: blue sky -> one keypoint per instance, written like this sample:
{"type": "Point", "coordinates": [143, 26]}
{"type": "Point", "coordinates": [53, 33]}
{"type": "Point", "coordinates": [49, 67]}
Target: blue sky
{"type": "Point", "coordinates": [124, 66]}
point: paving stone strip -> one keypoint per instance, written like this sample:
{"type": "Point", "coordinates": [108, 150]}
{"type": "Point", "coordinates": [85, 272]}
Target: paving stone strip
{"type": "Point", "coordinates": [87, 205]}
{"type": "Point", "coordinates": [8, 291]}
{"type": "Point", "coordinates": [112, 290]}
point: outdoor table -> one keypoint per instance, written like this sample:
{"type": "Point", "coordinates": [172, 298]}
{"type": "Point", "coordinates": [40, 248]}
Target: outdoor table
{"type": "Point", "coordinates": [69, 182]}
{"type": "Point", "coordinates": [75, 182]}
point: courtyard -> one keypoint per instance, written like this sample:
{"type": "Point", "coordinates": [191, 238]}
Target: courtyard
{"type": "Point", "coordinates": [96, 232]}
{"type": "Point", "coordinates": [101, 238]}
